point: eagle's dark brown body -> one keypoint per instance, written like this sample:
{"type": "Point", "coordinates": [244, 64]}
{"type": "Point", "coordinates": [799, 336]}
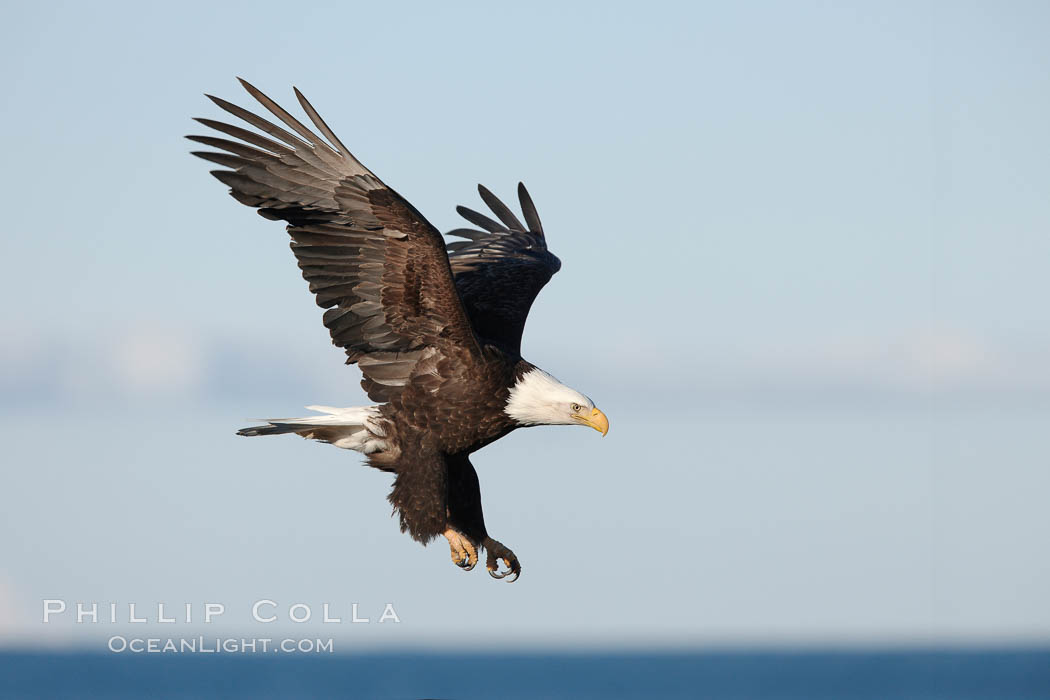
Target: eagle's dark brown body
{"type": "Point", "coordinates": [436, 423]}
{"type": "Point", "coordinates": [435, 329]}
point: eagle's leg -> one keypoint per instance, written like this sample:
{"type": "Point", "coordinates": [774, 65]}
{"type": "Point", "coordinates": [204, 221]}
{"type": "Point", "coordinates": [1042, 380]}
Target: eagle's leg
{"type": "Point", "coordinates": [419, 493]}
{"type": "Point", "coordinates": [496, 552]}
{"type": "Point", "coordinates": [466, 523]}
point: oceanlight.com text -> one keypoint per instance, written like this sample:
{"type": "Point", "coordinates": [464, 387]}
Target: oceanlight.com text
{"type": "Point", "coordinates": [218, 645]}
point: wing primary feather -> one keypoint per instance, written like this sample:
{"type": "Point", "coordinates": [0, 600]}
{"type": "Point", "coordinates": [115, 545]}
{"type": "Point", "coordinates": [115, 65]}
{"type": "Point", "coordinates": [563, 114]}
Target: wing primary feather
{"type": "Point", "coordinates": [528, 208]}
{"type": "Point", "coordinates": [241, 183]}
{"type": "Point", "coordinates": [258, 122]}
{"type": "Point", "coordinates": [500, 209]}
{"type": "Point", "coordinates": [224, 159]}
{"type": "Point", "coordinates": [320, 123]}
{"type": "Point", "coordinates": [233, 147]}
{"type": "Point", "coordinates": [470, 233]}
{"type": "Point", "coordinates": [481, 220]}
{"type": "Point", "coordinates": [284, 116]}
{"type": "Point", "coordinates": [245, 135]}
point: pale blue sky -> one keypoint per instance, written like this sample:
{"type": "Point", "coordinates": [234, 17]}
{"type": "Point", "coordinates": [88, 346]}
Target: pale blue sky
{"type": "Point", "coordinates": [805, 250]}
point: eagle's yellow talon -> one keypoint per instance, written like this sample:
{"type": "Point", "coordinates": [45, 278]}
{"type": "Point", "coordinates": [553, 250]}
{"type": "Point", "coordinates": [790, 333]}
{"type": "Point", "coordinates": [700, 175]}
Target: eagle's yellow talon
{"type": "Point", "coordinates": [464, 553]}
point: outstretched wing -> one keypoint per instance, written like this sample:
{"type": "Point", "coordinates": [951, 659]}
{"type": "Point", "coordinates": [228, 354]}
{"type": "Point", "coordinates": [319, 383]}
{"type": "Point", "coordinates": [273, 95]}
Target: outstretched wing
{"type": "Point", "coordinates": [499, 270]}
{"type": "Point", "coordinates": [377, 266]}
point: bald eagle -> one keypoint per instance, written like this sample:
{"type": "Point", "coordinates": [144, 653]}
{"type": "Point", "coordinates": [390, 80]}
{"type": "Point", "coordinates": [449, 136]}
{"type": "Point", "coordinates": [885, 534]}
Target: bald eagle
{"type": "Point", "coordinates": [435, 328]}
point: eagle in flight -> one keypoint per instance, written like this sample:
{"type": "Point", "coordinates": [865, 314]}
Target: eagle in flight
{"type": "Point", "coordinates": [435, 328]}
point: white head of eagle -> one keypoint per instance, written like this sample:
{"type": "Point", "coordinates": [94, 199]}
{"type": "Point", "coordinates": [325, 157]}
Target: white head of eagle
{"type": "Point", "coordinates": [539, 399]}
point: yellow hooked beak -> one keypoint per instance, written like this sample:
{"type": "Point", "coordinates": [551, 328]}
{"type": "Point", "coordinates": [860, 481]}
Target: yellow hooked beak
{"type": "Point", "coordinates": [596, 420]}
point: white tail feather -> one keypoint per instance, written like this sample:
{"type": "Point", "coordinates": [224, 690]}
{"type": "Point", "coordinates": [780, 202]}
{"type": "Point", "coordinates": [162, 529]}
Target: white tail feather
{"type": "Point", "coordinates": [355, 428]}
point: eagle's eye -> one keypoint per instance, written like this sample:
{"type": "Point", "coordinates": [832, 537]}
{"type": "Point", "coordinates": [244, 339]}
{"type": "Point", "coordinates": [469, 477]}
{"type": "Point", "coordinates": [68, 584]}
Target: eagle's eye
{"type": "Point", "coordinates": [576, 407]}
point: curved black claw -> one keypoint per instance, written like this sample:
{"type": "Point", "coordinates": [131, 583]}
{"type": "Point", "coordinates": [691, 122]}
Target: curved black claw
{"type": "Point", "coordinates": [496, 552]}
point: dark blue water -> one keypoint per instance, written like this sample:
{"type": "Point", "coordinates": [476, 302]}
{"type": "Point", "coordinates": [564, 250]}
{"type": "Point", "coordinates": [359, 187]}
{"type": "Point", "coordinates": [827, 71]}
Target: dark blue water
{"type": "Point", "coordinates": [926, 675]}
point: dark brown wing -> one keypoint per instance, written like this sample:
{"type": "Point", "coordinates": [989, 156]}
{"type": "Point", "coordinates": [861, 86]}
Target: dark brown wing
{"type": "Point", "coordinates": [377, 266]}
{"type": "Point", "coordinates": [500, 270]}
